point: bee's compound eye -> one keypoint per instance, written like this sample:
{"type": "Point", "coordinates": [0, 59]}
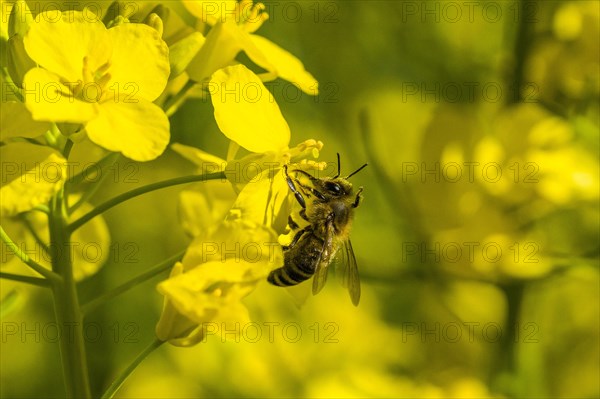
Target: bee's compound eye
{"type": "Point", "coordinates": [334, 188]}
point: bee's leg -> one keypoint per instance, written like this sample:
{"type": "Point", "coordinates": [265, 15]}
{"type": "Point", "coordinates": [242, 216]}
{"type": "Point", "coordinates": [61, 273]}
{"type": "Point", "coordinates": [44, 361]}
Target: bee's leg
{"type": "Point", "coordinates": [293, 225]}
{"type": "Point", "coordinates": [310, 190]}
{"type": "Point", "coordinates": [296, 239]}
{"type": "Point", "coordinates": [303, 215]}
{"type": "Point", "coordinates": [292, 187]}
{"type": "Point", "coordinates": [306, 189]}
{"type": "Point", "coordinates": [313, 179]}
{"type": "Point", "coordinates": [358, 198]}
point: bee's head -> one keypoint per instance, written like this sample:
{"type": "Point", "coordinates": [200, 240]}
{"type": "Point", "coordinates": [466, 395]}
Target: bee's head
{"type": "Point", "coordinates": [338, 187]}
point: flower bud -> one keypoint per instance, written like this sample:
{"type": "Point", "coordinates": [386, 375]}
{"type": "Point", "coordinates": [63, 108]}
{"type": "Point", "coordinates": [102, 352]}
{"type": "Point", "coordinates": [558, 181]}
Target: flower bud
{"type": "Point", "coordinates": [115, 10]}
{"type": "Point", "coordinates": [162, 12]}
{"type": "Point", "coordinates": [18, 60]}
{"type": "Point", "coordinates": [182, 52]}
{"type": "Point", "coordinates": [20, 19]}
{"type": "Point", "coordinates": [155, 22]}
{"type": "Point", "coordinates": [220, 48]}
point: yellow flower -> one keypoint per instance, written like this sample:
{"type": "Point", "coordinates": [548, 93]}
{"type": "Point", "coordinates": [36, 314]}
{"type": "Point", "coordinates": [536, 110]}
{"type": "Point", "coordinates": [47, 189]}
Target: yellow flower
{"type": "Point", "coordinates": [233, 24]}
{"type": "Point", "coordinates": [219, 269]}
{"type": "Point", "coordinates": [224, 263]}
{"type": "Point", "coordinates": [103, 78]}
{"type": "Point", "coordinates": [31, 175]}
{"type": "Point", "coordinates": [248, 115]}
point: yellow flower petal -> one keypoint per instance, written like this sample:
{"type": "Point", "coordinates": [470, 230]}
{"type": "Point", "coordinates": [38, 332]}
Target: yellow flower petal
{"type": "Point", "coordinates": [31, 174]}
{"type": "Point", "coordinates": [246, 111]}
{"type": "Point", "coordinates": [286, 65]}
{"type": "Point", "coordinates": [16, 121]}
{"type": "Point", "coordinates": [139, 130]}
{"type": "Point", "coordinates": [241, 239]}
{"type": "Point", "coordinates": [140, 58]}
{"type": "Point", "coordinates": [49, 100]}
{"type": "Point", "coordinates": [59, 43]}
{"type": "Point", "coordinates": [197, 295]}
{"type": "Point", "coordinates": [262, 200]}
{"type": "Point", "coordinates": [171, 324]}
{"type": "Point", "coordinates": [207, 205]}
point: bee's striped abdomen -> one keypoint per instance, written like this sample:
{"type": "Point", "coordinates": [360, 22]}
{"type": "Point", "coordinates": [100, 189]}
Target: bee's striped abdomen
{"type": "Point", "coordinates": [289, 274]}
{"type": "Point", "coordinates": [299, 263]}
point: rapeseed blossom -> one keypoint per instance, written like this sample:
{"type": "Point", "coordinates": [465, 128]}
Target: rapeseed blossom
{"type": "Point", "coordinates": [104, 79]}
{"type": "Point", "coordinates": [208, 286]}
{"type": "Point", "coordinates": [220, 268]}
{"type": "Point", "coordinates": [233, 25]}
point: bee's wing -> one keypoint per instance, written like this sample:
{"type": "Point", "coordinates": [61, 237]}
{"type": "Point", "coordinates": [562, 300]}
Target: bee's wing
{"type": "Point", "coordinates": [320, 277]}
{"type": "Point", "coordinates": [347, 271]}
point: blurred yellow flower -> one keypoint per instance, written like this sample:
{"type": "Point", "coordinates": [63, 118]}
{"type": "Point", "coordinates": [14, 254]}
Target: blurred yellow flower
{"type": "Point", "coordinates": [232, 25]}
{"type": "Point", "coordinates": [89, 245]}
{"type": "Point", "coordinates": [567, 174]}
{"type": "Point", "coordinates": [31, 175]}
{"type": "Point", "coordinates": [16, 121]}
{"type": "Point", "coordinates": [103, 78]}
{"type": "Point", "coordinates": [219, 269]}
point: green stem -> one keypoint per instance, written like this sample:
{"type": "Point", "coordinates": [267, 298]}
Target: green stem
{"type": "Point", "coordinates": [522, 45]}
{"type": "Point", "coordinates": [67, 148]}
{"type": "Point", "coordinates": [108, 160]}
{"type": "Point", "coordinates": [154, 271]}
{"type": "Point", "coordinates": [26, 259]}
{"type": "Point", "coordinates": [66, 304]}
{"type": "Point", "coordinates": [171, 105]}
{"type": "Point", "coordinates": [40, 282]}
{"type": "Point", "coordinates": [41, 208]}
{"type": "Point", "coordinates": [35, 234]}
{"type": "Point", "coordinates": [118, 382]}
{"type": "Point", "coordinates": [139, 191]}
{"type": "Point", "coordinates": [89, 193]}
{"type": "Point", "coordinates": [506, 365]}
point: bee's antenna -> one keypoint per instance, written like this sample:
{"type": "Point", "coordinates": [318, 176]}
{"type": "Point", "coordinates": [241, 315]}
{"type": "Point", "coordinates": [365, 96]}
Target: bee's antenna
{"type": "Point", "coordinates": [356, 171]}
{"type": "Point", "coordinates": [339, 169]}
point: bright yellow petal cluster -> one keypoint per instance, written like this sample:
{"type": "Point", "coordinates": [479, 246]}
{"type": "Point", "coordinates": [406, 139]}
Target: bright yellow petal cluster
{"type": "Point", "coordinates": [232, 25]}
{"type": "Point", "coordinates": [248, 115]}
{"type": "Point", "coordinates": [105, 79]}
{"type": "Point", "coordinates": [219, 269]}
{"type": "Point", "coordinates": [235, 237]}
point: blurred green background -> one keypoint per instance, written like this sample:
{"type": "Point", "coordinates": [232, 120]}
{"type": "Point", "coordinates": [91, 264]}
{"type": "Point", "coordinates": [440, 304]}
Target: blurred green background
{"type": "Point", "coordinates": [477, 241]}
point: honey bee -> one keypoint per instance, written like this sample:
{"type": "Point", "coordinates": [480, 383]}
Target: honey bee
{"type": "Point", "coordinates": [327, 221]}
